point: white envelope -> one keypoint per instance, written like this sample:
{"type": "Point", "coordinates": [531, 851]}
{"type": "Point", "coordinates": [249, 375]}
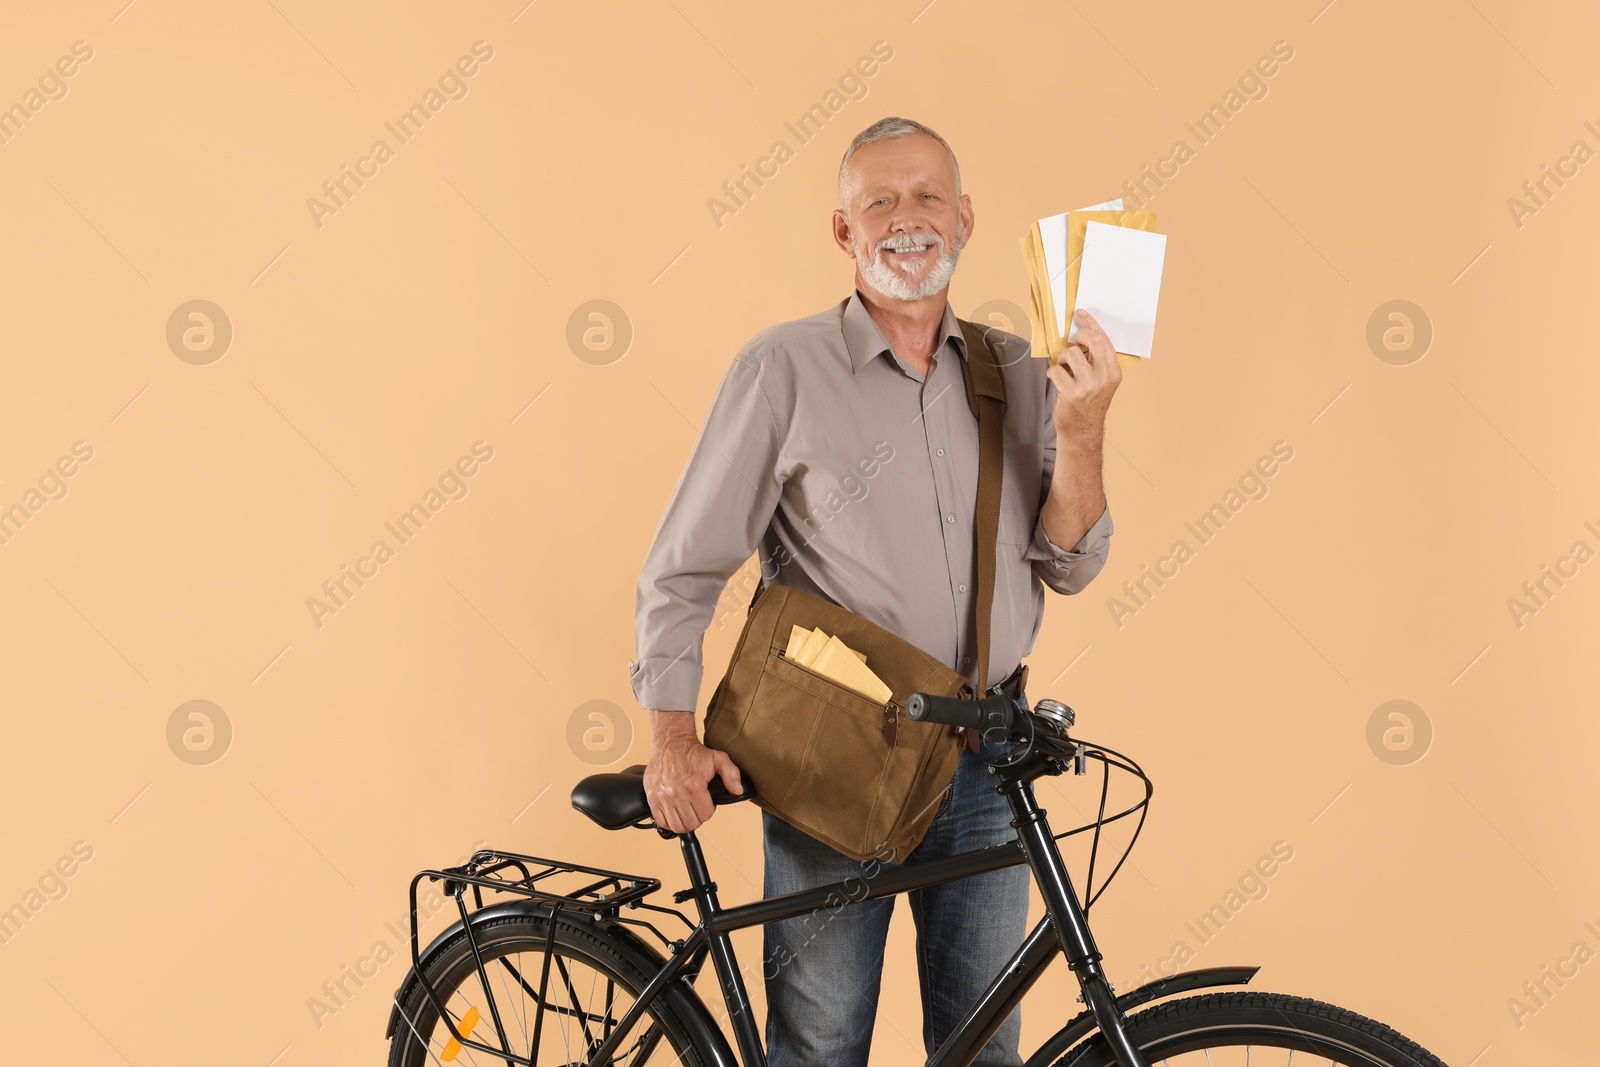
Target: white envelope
{"type": "Point", "coordinates": [1053, 234]}
{"type": "Point", "coordinates": [1119, 283]}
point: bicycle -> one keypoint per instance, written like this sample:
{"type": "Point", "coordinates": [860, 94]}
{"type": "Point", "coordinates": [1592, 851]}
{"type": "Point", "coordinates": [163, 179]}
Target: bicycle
{"type": "Point", "coordinates": [616, 999]}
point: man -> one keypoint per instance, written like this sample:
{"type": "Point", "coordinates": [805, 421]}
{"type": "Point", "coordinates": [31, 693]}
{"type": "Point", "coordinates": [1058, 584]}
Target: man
{"type": "Point", "coordinates": [841, 446]}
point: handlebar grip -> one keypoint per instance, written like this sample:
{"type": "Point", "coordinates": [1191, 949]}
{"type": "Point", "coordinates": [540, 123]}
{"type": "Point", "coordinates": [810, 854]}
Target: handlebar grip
{"type": "Point", "coordinates": [990, 713]}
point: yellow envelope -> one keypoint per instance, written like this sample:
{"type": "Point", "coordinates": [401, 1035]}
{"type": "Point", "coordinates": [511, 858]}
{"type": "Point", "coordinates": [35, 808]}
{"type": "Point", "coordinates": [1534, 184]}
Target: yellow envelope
{"type": "Point", "coordinates": [798, 636]}
{"type": "Point", "coordinates": [1047, 343]}
{"type": "Point", "coordinates": [1038, 289]}
{"type": "Point", "coordinates": [808, 651]}
{"type": "Point", "coordinates": [839, 662]}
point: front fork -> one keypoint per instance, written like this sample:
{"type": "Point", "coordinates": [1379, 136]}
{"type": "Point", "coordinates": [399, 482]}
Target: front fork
{"type": "Point", "coordinates": [1066, 915]}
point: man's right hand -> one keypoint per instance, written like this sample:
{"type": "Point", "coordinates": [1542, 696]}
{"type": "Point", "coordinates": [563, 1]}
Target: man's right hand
{"type": "Point", "coordinates": [675, 779]}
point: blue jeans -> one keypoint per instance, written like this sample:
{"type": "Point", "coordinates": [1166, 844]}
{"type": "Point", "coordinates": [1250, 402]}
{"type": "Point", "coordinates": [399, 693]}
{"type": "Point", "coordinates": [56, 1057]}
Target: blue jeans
{"type": "Point", "coordinates": [823, 969]}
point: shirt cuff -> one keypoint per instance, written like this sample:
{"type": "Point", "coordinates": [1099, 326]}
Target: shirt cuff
{"type": "Point", "coordinates": [1096, 541]}
{"type": "Point", "coordinates": [666, 684]}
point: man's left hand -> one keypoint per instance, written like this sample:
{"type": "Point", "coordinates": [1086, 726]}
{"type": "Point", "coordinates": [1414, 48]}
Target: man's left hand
{"type": "Point", "coordinates": [1086, 375]}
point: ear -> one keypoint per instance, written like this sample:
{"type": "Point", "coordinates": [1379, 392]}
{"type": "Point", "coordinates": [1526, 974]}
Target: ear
{"type": "Point", "coordinates": [841, 233]}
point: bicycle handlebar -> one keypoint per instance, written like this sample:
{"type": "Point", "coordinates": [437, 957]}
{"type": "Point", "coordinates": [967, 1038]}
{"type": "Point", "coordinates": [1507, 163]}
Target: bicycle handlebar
{"type": "Point", "coordinates": [999, 719]}
{"type": "Point", "coordinates": [990, 713]}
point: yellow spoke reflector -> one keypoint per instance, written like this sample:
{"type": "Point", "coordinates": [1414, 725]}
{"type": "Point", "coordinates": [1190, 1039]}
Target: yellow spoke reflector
{"type": "Point", "coordinates": [452, 1047]}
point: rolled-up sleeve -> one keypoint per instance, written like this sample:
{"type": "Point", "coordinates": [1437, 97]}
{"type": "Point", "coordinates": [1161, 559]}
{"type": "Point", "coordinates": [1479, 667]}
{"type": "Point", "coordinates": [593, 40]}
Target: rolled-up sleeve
{"type": "Point", "coordinates": [723, 504]}
{"type": "Point", "coordinates": [1068, 570]}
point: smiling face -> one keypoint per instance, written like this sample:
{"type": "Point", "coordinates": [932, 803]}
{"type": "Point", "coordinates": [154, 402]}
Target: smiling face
{"type": "Point", "coordinates": [902, 219]}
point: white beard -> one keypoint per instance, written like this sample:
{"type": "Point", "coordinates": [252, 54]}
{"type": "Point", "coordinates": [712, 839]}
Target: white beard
{"type": "Point", "coordinates": [892, 281]}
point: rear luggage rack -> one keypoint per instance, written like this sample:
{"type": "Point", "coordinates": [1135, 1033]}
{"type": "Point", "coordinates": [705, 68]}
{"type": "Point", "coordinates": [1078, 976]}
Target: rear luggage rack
{"type": "Point", "coordinates": [560, 885]}
{"type": "Point", "coordinates": [569, 886]}
{"type": "Point", "coordinates": [556, 884]}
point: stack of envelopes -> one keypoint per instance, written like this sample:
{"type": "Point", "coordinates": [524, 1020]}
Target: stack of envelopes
{"type": "Point", "coordinates": [837, 661]}
{"type": "Point", "coordinates": [1100, 258]}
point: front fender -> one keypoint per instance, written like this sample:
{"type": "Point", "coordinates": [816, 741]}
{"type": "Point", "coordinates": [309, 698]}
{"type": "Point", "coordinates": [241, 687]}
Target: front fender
{"type": "Point", "coordinates": [680, 996]}
{"type": "Point", "coordinates": [1083, 1023]}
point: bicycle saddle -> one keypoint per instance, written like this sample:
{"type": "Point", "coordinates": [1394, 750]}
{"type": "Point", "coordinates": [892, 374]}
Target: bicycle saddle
{"type": "Point", "coordinates": [616, 799]}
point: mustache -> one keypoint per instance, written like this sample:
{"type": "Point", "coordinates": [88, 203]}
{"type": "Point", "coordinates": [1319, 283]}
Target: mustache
{"type": "Point", "coordinates": [903, 241]}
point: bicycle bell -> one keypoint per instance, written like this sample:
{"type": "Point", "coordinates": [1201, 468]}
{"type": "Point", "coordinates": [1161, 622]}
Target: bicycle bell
{"type": "Point", "coordinates": [1055, 712]}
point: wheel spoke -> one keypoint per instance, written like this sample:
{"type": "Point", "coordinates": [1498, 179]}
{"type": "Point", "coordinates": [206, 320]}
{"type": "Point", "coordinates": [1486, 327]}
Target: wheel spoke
{"type": "Point", "coordinates": [611, 997]}
{"type": "Point", "coordinates": [572, 995]}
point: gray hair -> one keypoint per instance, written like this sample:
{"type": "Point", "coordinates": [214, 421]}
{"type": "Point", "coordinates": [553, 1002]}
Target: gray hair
{"type": "Point", "coordinates": [884, 130]}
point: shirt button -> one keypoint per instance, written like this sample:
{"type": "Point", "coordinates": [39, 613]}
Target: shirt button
{"type": "Point", "coordinates": [962, 587]}
{"type": "Point", "coordinates": [966, 659]}
{"type": "Point", "coordinates": [939, 452]}
{"type": "Point", "coordinates": [949, 518]}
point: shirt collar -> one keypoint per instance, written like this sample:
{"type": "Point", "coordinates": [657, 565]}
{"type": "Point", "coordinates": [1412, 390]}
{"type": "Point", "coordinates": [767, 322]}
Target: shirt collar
{"type": "Point", "coordinates": [865, 341]}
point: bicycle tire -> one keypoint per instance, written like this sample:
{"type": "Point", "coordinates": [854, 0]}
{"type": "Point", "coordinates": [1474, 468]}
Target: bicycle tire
{"type": "Point", "coordinates": [1272, 1020]}
{"type": "Point", "coordinates": [419, 1034]}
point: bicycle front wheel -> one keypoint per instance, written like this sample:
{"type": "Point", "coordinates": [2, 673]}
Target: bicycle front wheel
{"type": "Point", "coordinates": [1259, 1030]}
{"type": "Point", "coordinates": [591, 981]}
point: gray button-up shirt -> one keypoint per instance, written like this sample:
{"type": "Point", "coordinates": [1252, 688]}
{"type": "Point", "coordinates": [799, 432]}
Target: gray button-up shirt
{"type": "Point", "coordinates": [855, 478]}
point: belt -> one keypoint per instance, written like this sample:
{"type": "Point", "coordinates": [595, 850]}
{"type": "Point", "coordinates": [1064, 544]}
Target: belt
{"type": "Point", "coordinates": [1012, 686]}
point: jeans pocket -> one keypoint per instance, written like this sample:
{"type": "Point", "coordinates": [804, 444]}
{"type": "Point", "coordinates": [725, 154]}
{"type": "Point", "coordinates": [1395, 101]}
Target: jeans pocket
{"type": "Point", "coordinates": [944, 801]}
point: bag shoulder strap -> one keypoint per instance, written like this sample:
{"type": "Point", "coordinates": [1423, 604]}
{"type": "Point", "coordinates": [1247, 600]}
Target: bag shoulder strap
{"type": "Point", "coordinates": [986, 396]}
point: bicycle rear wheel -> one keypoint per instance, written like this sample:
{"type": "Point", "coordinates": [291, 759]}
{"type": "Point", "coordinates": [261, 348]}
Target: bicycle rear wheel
{"type": "Point", "coordinates": [591, 983]}
{"type": "Point", "coordinates": [1259, 1030]}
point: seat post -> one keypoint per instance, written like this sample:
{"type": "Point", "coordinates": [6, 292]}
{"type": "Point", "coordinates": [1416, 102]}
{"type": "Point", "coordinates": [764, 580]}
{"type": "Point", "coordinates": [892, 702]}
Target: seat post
{"type": "Point", "coordinates": [734, 995]}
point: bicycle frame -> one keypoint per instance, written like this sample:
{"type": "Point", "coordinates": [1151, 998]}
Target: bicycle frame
{"type": "Point", "coordinates": [1063, 930]}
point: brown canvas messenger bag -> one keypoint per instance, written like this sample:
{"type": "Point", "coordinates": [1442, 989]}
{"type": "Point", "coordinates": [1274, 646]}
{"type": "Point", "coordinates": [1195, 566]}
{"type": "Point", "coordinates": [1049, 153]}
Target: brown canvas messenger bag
{"type": "Point", "coordinates": [853, 773]}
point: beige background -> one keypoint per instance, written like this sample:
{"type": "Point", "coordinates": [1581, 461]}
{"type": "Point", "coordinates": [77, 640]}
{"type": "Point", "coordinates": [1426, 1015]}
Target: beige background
{"type": "Point", "coordinates": [432, 711]}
